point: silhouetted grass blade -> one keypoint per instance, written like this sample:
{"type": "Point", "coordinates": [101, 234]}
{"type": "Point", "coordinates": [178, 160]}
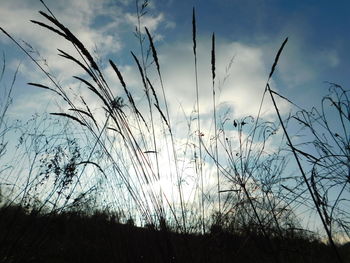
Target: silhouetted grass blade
{"type": "Point", "coordinates": [277, 57]}
{"type": "Point", "coordinates": [70, 117]}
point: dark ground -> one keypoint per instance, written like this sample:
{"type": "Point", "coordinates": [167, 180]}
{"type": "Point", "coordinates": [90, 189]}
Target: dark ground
{"type": "Point", "coordinates": [70, 237]}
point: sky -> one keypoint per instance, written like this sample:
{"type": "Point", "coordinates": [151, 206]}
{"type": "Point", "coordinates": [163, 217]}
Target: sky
{"type": "Point", "coordinates": [249, 32]}
{"type": "Point", "coordinates": [248, 36]}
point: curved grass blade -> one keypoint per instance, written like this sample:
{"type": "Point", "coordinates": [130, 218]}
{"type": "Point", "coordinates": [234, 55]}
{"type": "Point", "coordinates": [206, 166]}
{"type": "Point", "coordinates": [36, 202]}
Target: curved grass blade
{"type": "Point", "coordinates": [70, 117]}
{"type": "Point", "coordinates": [46, 87]}
{"type": "Point", "coordinates": [72, 38]}
{"type": "Point", "coordinates": [48, 27]}
{"type": "Point", "coordinates": [154, 51]}
{"type": "Point", "coordinates": [277, 57]}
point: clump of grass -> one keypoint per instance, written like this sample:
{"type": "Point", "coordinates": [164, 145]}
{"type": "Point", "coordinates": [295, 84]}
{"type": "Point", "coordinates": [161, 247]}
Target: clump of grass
{"type": "Point", "coordinates": [308, 184]}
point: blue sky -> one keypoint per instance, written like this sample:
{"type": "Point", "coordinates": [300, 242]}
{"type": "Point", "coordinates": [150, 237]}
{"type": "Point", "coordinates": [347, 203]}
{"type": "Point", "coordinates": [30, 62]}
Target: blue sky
{"type": "Point", "coordinates": [249, 31]}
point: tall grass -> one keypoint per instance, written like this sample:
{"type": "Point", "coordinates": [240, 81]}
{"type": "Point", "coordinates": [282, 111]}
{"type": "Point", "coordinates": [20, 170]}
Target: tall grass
{"type": "Point", "coordinates": [252, 193]}
{"type": "Point", "coordinates": [297, 158]}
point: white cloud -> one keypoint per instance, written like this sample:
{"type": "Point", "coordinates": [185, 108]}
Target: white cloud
{"type": "Point", "coordinates": [79, 16]}
{"type": "Point", "coordinates": [244, 84]}
{"type": "Point", "coordinates": [36, 101]}
{"type": "Point", "coordinates": [151, 22]}
{"type": "Point", "coordinates": [83, 18]}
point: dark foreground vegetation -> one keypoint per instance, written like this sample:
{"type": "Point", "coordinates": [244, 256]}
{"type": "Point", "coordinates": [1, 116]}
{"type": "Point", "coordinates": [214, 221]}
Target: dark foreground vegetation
{"type": "Point", "coordinates": [75, 237]}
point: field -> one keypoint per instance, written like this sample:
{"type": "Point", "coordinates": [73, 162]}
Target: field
{"type": "Point", "coordinates": [112, 176]}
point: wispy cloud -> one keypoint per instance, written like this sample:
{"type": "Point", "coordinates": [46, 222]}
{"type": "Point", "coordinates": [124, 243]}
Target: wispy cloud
{"type": "Point", "coordinates": [100, 25]}
{"type": "Point", "coordinates": [240, 84]}
{"type": "Point", "coordinates": [79, 16]}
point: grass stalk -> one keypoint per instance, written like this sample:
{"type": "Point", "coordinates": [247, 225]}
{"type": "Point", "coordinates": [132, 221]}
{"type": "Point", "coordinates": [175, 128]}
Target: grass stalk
{"type": "Point", "coordinates": [143, 71]}
{"type": "Point", "coordinates": [194, 37]}
{"type": "Point", "coordinates": [296, 157]}
{"type": "Point", "coordinates": [215, 121]}
{"type": "Point", "coordinates": [169, 125]}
